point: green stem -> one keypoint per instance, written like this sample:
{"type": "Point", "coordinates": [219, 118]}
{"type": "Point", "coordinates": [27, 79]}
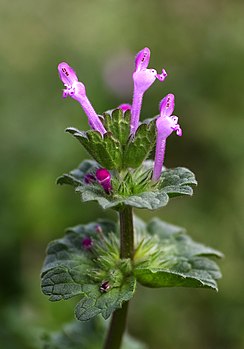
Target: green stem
{"type": "Point", "coordinates": [126, 233]}
{"type": "Point", "coordinates": [118, 322]}
{"type": "Point", "coordinates": [116, 328]}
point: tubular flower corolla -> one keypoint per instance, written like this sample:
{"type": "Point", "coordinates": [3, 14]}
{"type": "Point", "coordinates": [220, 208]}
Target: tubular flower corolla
{"type": "Point", "coordinates": [166, 123]}
{"type": "Point", "coordinates": [143, 78]}
{"type": "Point", "coordinates": [77, 91]}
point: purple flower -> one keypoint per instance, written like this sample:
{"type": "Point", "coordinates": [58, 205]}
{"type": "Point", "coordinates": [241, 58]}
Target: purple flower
{"type": "Point", "coordinates": [143, 79]}
{"type": "Point", "coordinates": [124, 107]}
{"type": "Point", "coordinates": [104, 178]}
{"type": "Point", "coordinates": [104, 286]}
{"type": "Point", "coordinates": [98, 229]}
{"type": "Point", "coordinates": [77, 91]}
{"type": "Point", "coordinates": [166, 123]}
{"type": "Point", "coordinates": [87, 243]}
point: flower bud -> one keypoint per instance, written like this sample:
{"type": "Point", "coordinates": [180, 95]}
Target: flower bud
{"type": "Point", "coordinates": [104, 178]}
{"type": "Point", "coordinates": [98, 229]}
{"type": "Point", "coordinates": [124, 107]}
{"type": "Point", "coordinates": [87, 243]}
{"type": "Point", "coordinates": [104, 286]}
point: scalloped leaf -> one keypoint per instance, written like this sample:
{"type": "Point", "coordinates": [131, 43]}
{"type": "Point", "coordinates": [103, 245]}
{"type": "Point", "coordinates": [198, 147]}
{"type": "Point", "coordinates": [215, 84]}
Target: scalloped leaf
{"type": "Point", "coordinates": [164, 257]}
{"type": "Point", "coordinates": [94, 302]}
{"type": "Point", "coordinates": [173, 182]}
{"type": "Point", "coordinates": [170, 232]}
{"type": "Point", "coordinates": [71, 270]}
{"type": "Point", "coordinates": [118, 124]}
{"type": "Point", "coordinates": [105, 150]}
{"type": "Point", "coordinates": [158, 277]}
{"type": "Point", "coordinates": [169, 258]}
{"type": "Point", "coordinates": [76, 176]}
{"type": "Point", "coordinates": [177, 181]}
{"type": "Point", "coordinates": [84, 335]}
{"type": "Point", "coordinates": [139, 148]}
{"type": "Point", "coordinates": [117, 150]}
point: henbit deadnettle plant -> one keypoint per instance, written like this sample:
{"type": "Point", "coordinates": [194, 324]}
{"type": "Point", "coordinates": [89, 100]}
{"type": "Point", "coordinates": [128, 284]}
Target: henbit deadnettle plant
{"type": "Point", "coordinates": [102, 261]}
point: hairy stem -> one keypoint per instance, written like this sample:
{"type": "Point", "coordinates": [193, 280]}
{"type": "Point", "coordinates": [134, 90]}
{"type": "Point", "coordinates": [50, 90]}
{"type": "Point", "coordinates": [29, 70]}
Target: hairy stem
{"type": "Point", "coordinates": [117, 327]}
{"type": "Point", "coordinates": [126, 233]}
{"type": "Point", "coordinates": [118, 322]}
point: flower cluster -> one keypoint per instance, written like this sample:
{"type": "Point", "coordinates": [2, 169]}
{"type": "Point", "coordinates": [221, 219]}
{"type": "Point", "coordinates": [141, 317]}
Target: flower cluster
{"type": "Point", "coordinates": [143, 78]}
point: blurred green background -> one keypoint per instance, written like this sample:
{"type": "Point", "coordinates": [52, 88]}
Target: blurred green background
{"type": "Point", "coordinates": [201, 46]}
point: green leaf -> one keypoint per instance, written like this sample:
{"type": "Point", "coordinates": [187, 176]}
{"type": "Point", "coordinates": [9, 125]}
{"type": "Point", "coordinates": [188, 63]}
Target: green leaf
{"type": "Point", "coordinates": [94, 302]}
{"type": "Point", "coordinates": [116, 150]}
{"type": "Point", "coordinates": [135, 188]}
{"type": "Point", "coordinates": [76, 176]}
{"type": "Point", "coordinates": [164, 257]}
{"type": "Point", "coordinates": [138, 149]}
{"type": "Point", "coordinates": [170, 232]}
{"type": "Point", "coordinates": [71, 270]}
{"type": "Point", "coordinates": [167, 257]}
{"type": "Point", "coordinates": [105, 150]}
{"type": "Point", "coordinates": [173, 182]}
{"type": "Point", "coordinates": [177, 181]}
{"type": "Point", "coordinates": [118, 124]}
{"type": "Point", "coordinates": [84, 335]}
{"type": "Point", "coordinates": [76, 335]}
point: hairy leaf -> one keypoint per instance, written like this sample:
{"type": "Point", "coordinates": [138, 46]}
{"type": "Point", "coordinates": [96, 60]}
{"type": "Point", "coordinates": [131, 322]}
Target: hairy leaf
{"type": "Point", "coordinates": [84, 335]}
{"type": "Point", "coordinates": [167, 257]}
{"type": "Point", "coordinates": [93, 302]}
{"type": "Point", "coordinates": [134, 189]}
{"type": "Point", "coordinates": [138, 149]}
{"type": "Point", "coordinates": [71, 269]}
{"type": "Point", "coordinates": [76, 176]}
{"type": "Point", "coordinates": [117, 150]}
{"type": "Point", "coordinates": [105, 150]}
{"type": "Point", "coordinates": [118, 124]}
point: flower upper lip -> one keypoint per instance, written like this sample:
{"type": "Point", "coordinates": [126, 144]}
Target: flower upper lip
{"type": "Point", "coordinates": [143, 79]}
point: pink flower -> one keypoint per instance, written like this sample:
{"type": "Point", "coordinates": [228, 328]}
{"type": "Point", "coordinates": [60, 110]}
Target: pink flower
{"type": "Point", "coordinates": [87, 243]}
{"type": "Point", "coordinates": [98, 229]}
{"type": "Point", "coordinates": [77, 91]}
{"type": "Point", "coordinates": [143, 79]}
{"type": "Point", "coordinates": [104, 178]}
{"type": "Point", "coordinates": [166, 124]}
{"type": "Point", "coordinates": [124, 107]}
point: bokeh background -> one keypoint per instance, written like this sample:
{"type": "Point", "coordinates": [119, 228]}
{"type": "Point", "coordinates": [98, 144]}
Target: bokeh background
{"type": "Point", "coordinates": [200, 44]}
